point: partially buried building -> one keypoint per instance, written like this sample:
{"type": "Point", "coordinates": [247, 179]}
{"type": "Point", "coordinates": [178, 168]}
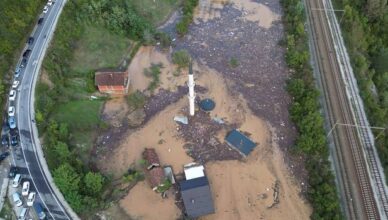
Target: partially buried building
{"type": "Point", "coordinates": [154, 173]}
{"type": "Point", "coordinates": [195, 190]}
{"type": "Point", "coordinates": [240, 142]}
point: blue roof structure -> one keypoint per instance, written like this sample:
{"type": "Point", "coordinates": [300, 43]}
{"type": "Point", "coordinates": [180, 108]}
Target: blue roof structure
{"type": "Point", "coordinates": [207, 104]}
{"type": "Point", "coordinates": [197, 197]}
{"type": "Point", "coordinates": [241, 142]}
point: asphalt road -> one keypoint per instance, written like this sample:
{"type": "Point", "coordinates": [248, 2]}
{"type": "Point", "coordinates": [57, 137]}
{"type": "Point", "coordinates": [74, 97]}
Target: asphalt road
{"type": "Point", "coordinates": [26, 156]}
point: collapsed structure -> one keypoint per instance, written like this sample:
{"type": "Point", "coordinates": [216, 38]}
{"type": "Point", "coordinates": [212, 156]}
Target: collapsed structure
{"type": "Point", "coordinates": [154, 172]}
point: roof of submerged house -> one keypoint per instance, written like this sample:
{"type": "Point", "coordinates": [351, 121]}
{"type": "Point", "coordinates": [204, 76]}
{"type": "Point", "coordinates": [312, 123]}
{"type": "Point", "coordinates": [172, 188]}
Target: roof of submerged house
{"type": "Point", "coordinates": [240, 142]}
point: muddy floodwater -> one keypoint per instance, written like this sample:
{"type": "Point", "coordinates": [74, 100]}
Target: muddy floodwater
{"type": "Point", "coordinates": [249, 96]}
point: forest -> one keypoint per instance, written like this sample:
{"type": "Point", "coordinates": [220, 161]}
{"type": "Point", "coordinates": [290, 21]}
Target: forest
{"type": "Point", "coordinates": [305, 113]}
{"type": "Point", "coordinates": [17, 20]}
{"type": "Point", "coordinates": [365, 30]}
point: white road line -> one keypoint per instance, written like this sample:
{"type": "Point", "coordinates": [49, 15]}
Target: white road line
{"type": "Point", "coordinates": [44, 45]}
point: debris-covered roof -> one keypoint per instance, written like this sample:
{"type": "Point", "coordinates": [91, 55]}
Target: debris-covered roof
{"type": "Point", "coordinates": [154, 173]}
{"type": "Point", "coordinates": [194, 171]}
{"type": "Point", "coordinates": [241, 142]}
{"type": "Point", "coordinates": [111, 78]}
{"type": "Point", "coordinates": [197, 197]}
{"type": "Point", "coordinates": [151, 157]}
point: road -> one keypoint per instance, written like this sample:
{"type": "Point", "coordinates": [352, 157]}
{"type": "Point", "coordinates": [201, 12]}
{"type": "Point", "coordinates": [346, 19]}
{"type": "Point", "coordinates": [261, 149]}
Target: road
{"type": "Point", "coordinates": [359, 197]}
{"type": "Point", "coordinates": [29, 156]}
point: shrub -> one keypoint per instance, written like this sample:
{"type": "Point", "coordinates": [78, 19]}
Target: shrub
{"type": "Point", "coordinates": [181, 58]}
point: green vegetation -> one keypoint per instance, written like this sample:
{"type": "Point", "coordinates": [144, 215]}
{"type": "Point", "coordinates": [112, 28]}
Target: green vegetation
{"type": "Point", "coordinates": [153, 72]}
{"type": "Point", "coordinates": [136, 100]}
{"type": "Point", "coordinates": [17, 21]}
{"type": "Point", "coordinates": [6, 211]}
{"type": "Point", "coordinates": [133, 176]}
{"type": "Point", "coordinates": [155, 12]}
{"type": "Point", "coordinates": [233, 62]}
{"type": "Point", "coordinates": [181, 58]}
{"type": "Point", "coordinates": [364, 27]}
{"type": "Point", "coordinates": [164, 186]}
{"type": "Point", "coordinates": [305, 113]}
{"type": "Point", "coordinates": [99, 48]}
{"type": "Point", "coordinates": [91, 34]}
{"type": "Point", "coordinates": [188, 8]}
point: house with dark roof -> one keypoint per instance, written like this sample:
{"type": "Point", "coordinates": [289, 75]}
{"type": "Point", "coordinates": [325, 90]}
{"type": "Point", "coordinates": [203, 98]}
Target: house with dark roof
{"type": "Point", "coordinates": [153, 173]}
{"type": "Point", "coordinates": [195, 190]}
{"type": "Point", "coordinates": [111, 81]}
{"type": "Point", "coordinates": [240, 142]}
{"type": "Point", "coordinates": [197, 197]}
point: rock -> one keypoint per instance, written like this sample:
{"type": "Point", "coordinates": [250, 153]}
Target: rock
{"type": "Point", "coordinates": [136, 118]}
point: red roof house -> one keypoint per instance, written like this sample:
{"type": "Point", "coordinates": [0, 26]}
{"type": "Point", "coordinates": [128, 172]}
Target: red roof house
{"type": "Point", "coordinates": [112, 82]}
{"type": "Point", "coordinates": [154, 173]}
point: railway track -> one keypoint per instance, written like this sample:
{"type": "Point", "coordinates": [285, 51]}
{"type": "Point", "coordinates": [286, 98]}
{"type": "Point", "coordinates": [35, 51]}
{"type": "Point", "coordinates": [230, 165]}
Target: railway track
{"type": "Point", "coordinates": [357, 196]}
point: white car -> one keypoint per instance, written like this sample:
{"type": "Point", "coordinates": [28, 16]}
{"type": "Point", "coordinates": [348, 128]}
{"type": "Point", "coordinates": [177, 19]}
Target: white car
{"type": "Point", "coordinates": [26, 188]}
{"type": "Point", "coordinates": [15, 84]}
{"type": "Point", "coordinates": [49, 2]}
{"type": "Point", "coordinates": [45, 9]}
{"type": "Point", "coordinates": [16, 199]}
{"type": "Point", "coordinates": [31, 199]}
{"type": "Point", "coordinates": [16, 180]}
{"type": "Point", "coordinates": [12, 95]}
{"type": "Point", "coordinates": [11, 111]}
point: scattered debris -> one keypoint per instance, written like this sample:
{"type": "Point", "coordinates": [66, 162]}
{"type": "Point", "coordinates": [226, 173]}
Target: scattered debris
{"type": "Point", "coordinates": [276, 190]}
{"type": "Point", "coordinates": [219, 120]}
{"type": "Point", "coordinates": [182, 119]}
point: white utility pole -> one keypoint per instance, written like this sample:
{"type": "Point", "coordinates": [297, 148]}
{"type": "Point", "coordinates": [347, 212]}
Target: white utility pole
{"type": "Point", "coordinates": [191, 85]}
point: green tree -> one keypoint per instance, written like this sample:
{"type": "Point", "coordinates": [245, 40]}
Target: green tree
{"type": "Point", "coordinates": [67, 179]}
{"type": "Point", "coordinates": [93, 183]}
{"type": "Point", "coordinates": [62, 151]}
{"type": "Point", "coordinates": [375, 8]}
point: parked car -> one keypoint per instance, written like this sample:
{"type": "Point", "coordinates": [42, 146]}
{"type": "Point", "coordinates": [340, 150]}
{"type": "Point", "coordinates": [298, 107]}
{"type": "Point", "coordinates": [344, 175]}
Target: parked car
{"type": "Point", "coordinates": [12, 122]}
{"type": "Point", "coordinates": [5, 141]}
{"type": "Point", "coordinates": [40, 21]}
{"type": "Point", "coordinates": [31, 198]}
{"type": "Point", "coordinates": [30, 40]}
{"type": "Point", "coordinates": [45, 9]}
{"type": "Point", "coordinates": [39, 210]}
{"type": "Point", "coordinates": [49, 2]}
{"type": "Point", "coordinates": [3, 156]}
{"type": "Point", "coordinates": [17, 200]}
{"type": "Point", "coordinates": [17, 71]}
{"type": "Point", "coordinates": [16, 180]}
{"type": "Point", "coordinates": [27, 53]}
{"type": "Point", "coordinates": [12, 95]}
{"type": "Point", "coordinates": [13, 171]}
{"type": "Point", "coordinates": [23, 214]}
{"type": "Point", "coordinates": [11, 111]}
{"type": "Point", "coordinates": [15, 84]}
{"type": "Point", "coordinates": [24, 62]}
{"type": "Point", "coordinates": [26, 188]}
{"type": "Point", "coordinates": [14, 140]}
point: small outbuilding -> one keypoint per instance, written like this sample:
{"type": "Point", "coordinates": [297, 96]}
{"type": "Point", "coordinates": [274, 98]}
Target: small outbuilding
{"type": "Point", "coordinates": [111, 81]}
{"type": "Point", "coordinates": [240, 142]}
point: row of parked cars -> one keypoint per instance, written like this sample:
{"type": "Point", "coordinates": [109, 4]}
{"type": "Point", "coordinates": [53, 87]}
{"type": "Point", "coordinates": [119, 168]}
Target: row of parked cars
{"type": "Point", "coordinates": [26, 194]}
{"type": "Point", "coordinates": [25, 199]}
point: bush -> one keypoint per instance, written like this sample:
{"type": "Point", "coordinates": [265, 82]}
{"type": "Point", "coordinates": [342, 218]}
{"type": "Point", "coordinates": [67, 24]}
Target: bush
{"type": "Point", "coordinates": [233, 62]}
{"type": "Point", "coordinates": [182, 27]}
{"type": "Point", "coordinates": [181, 58]}
{"type": "Point", "coordinates": [136, 100]}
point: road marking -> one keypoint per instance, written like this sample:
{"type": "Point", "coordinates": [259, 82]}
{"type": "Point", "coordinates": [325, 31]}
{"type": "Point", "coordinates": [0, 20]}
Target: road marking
{"type": "Point", "coordinates": [43, 46]}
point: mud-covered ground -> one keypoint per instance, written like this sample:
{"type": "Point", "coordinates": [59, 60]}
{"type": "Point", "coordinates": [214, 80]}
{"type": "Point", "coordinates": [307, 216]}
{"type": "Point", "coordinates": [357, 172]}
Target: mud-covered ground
{"type": "Point", "coordinates": [262, 72]}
